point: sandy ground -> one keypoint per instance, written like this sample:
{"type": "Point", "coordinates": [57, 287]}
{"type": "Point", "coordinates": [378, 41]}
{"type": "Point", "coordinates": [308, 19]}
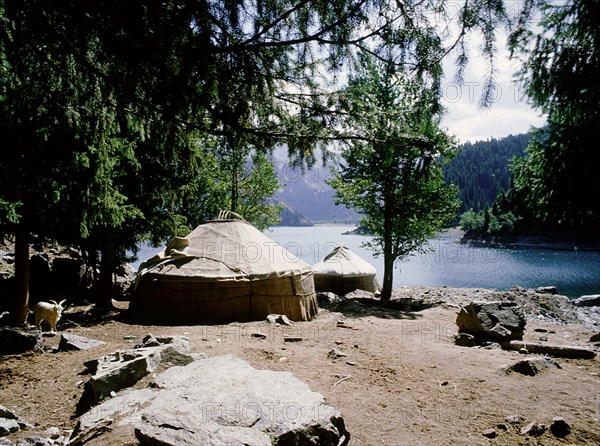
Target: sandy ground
{"type": "Point", "coordinates": [403, 381]}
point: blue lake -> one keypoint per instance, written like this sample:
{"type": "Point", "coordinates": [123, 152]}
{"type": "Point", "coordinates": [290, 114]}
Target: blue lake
{"type": "Point", "coordinates": [449, 263]}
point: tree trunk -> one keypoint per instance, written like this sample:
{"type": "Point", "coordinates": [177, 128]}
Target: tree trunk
{"type": "Point", "coordinates": [20, 307]}
{"type": "Point", "coordinates": [107, 269]}
{"type": "Point", "coordinates": [388, 276]}
{"type": "Point", "coordinates": [388, 258]}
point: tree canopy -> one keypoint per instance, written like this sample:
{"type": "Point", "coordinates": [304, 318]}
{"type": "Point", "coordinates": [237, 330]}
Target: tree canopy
{"type": "Point", "coordinates": [102, 102]}
{"type": "Point", "coordinates": [395, 179]}
{"type": "Point", "coordinates": [561, 67]}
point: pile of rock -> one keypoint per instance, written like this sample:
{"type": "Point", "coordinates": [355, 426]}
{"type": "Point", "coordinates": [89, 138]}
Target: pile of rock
{"type": "Point", "coordinates": [558, 427]}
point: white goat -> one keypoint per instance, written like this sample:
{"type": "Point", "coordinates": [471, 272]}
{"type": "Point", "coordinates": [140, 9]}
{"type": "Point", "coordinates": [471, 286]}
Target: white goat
{"type": "Point", "coordinates": [49, 312]}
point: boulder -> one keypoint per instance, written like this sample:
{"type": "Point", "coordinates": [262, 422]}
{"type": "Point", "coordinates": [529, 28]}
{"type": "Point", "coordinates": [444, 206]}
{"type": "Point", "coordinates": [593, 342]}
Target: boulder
{"type": "Point", "coordinates": [590, 300]}
{"type": "Point", "coordinates": [492, 321]}
{"type": "Point", "coordinates": [122, 369]}
{"type": "Point", "coordinates": [222, 400]}
{"type": "Point", "coordinates": [71, 341]}
{"type": "Point", "coordinates": [547, 289]}
{"type": "Point", "coordinates": [14, 340]}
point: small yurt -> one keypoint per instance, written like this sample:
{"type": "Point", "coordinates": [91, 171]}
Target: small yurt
{"type": "Point", "coordinates": [342, 271]}
{"type": "Point", "coordinates": [223, 271]}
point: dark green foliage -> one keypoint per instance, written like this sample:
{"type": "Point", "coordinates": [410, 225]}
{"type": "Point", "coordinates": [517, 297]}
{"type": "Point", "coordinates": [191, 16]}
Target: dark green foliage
{"type": "Point", "coordinates": [480, 170]}
{"type": "Point", "coordinates": [561, 68]}
{"type": "Point", "coordinates": [394, 178]}
{"type": "Point", "coordinates": [101, 103]}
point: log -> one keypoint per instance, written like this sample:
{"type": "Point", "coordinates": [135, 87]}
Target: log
{"type": "Point", "coordinates": [558, 351]}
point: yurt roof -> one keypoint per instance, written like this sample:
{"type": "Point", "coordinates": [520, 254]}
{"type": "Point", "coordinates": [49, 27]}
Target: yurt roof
{"type": "Point", "coordinates": [342, 261]}
{"type": "Point", "coordinates": [224, 250]}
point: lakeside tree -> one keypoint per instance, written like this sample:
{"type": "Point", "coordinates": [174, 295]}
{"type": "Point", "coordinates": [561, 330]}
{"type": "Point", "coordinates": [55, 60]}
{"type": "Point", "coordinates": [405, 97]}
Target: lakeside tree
{"type": "Point", "coordinates": [560, 72]}
{"type": "Point", "coordinates": [394, 177]}
{"type": "Point", "coordinates": [99, 100]}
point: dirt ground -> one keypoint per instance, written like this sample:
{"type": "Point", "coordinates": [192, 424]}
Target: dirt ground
{"type": "Point", "coordinates": [403, 381]}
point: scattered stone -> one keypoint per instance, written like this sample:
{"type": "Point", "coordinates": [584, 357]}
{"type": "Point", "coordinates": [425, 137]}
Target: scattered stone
{"type": "Point", "coordinates": [533, 366]}
{"type": "Point", "coordinates": [502, 426]}
{"type": "Point", "coordinates": [292, 339]}
{"type": "Point", "coordinates": [33, 440]}
{"type": "Point", "coordinates": [465, 340]}
{"type": "Point", "coordinates": [147, 341]}
{"type": "Point", "coordinates": [595, 338]}
{"type": "Point", "coordinates": [174, 357]}
{"type": "Point", "coordinates": [547, 290]}
{"type": "Point", "coordinates": [351, 363]}
{"type": "Point", "coordinates": [71, 341]}
{"type": "Point", "coordinates": [523, 351]}
{"type": "Point", "coordinates": [8, 427]}
{"type": "Point", "coordinates": [559, 427]}
{"type": "Point", "coordinates": [489, 433]}
{"type": "Point", "coordinates": [10, 422]}
{"type": "Point", "coordinates": [533, 429]}
{"type": "Point", "coordinates": [558, 351]}
{"type": "Point", "coordinates": [279, 318]}
{"type": "Point", "coordinates": [327, 297]}
{"type": "Point", "coordinates": [590, 300]}
{"type": "Point", "coordinates": [232, 401]}
{"type": "Point", "coordinates": [14, 340]}
{"type": "Point", "coordinates": [493, 321]}
{"type": "Point", "coordinates": [513, 419]}
{"type": "Point", "coordinates": [339, 342]}
{"type": "Point", "coordinates": [6, 442]}
{"type": "Point", "coordinates": [544, 338]}
{"type": "Point", "coordinates": [540, 330]}
{"type": "Point", "coordinates": [335, 354]}
{"type": "Point", "coordinates": [129, 338]}
{"type": "Point", "coordinates": [491, 346]}
{"type": "Point", "coordinates": [259, 335]}
{"type": "Point", "coordinates": [52, 432]}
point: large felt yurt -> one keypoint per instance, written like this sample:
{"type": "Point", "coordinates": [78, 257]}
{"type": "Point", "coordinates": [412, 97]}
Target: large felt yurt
{"type": "Point", "coordinates": [342, 271]}
{"type": "Point", "coordinates": [223, 271]}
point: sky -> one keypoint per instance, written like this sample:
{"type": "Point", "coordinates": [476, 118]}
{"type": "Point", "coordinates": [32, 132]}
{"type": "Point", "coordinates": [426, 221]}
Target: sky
{"type": "Point", "coordinates": [509, 114]}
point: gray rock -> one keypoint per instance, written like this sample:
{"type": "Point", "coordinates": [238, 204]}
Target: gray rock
{"type": "Point", "coordinates": [190, 429]}
{"type": "Point", "coordinates": [52, 432]}
{"type": "Point", "coordinates": [9, 415]}
{"type": "Point", "coordinates": [513, 419]}
{"type": "Point", "coordinates": [489, 433]}
{"type": "Point", "coordinates": [547, 289]}
{"type": "Point", "coordinates": [533, 429]}
{"type": "Point", "coordinates": [533, 366]}
{"type": "Point", "coordinates": [559, 427]}
{"type": "Point", "coordinates": [590, 300]}
{"type": "Point", "coordinates": [8, 427]}
{"type": "Point", "coordinates": [558, 351]}
{"type": "Point", "coordinates": [148, 341]}
{"type": "Point", "coordinates": [72, 341]}
{"type": "Point", "coordinates": [170, 355]}
{"type": "Point", "coordinates": [33, 440]}
{"type": "Point", "coordinates": [14, 341]}
{"type": "Point", "coordinates": [222, 398]}
{"type": "Point", "coordinates": [595, 337]}
{"type": "Point", "coordinates": [493, 321]}
{"type": "Point", "coordinates": [335, 354]}
{"type": "Point", "coordinates": [6, 442]}
{"type": "Point", "coordinates": [465, 340]}
{"type": "Point", "coordinates": [118, 371]}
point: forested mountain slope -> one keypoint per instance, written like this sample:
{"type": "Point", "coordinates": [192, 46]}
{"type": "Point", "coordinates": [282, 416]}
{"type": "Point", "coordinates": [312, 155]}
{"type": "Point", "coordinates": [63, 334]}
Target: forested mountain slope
{"type": "Point", "coordinates": [480, 169]}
